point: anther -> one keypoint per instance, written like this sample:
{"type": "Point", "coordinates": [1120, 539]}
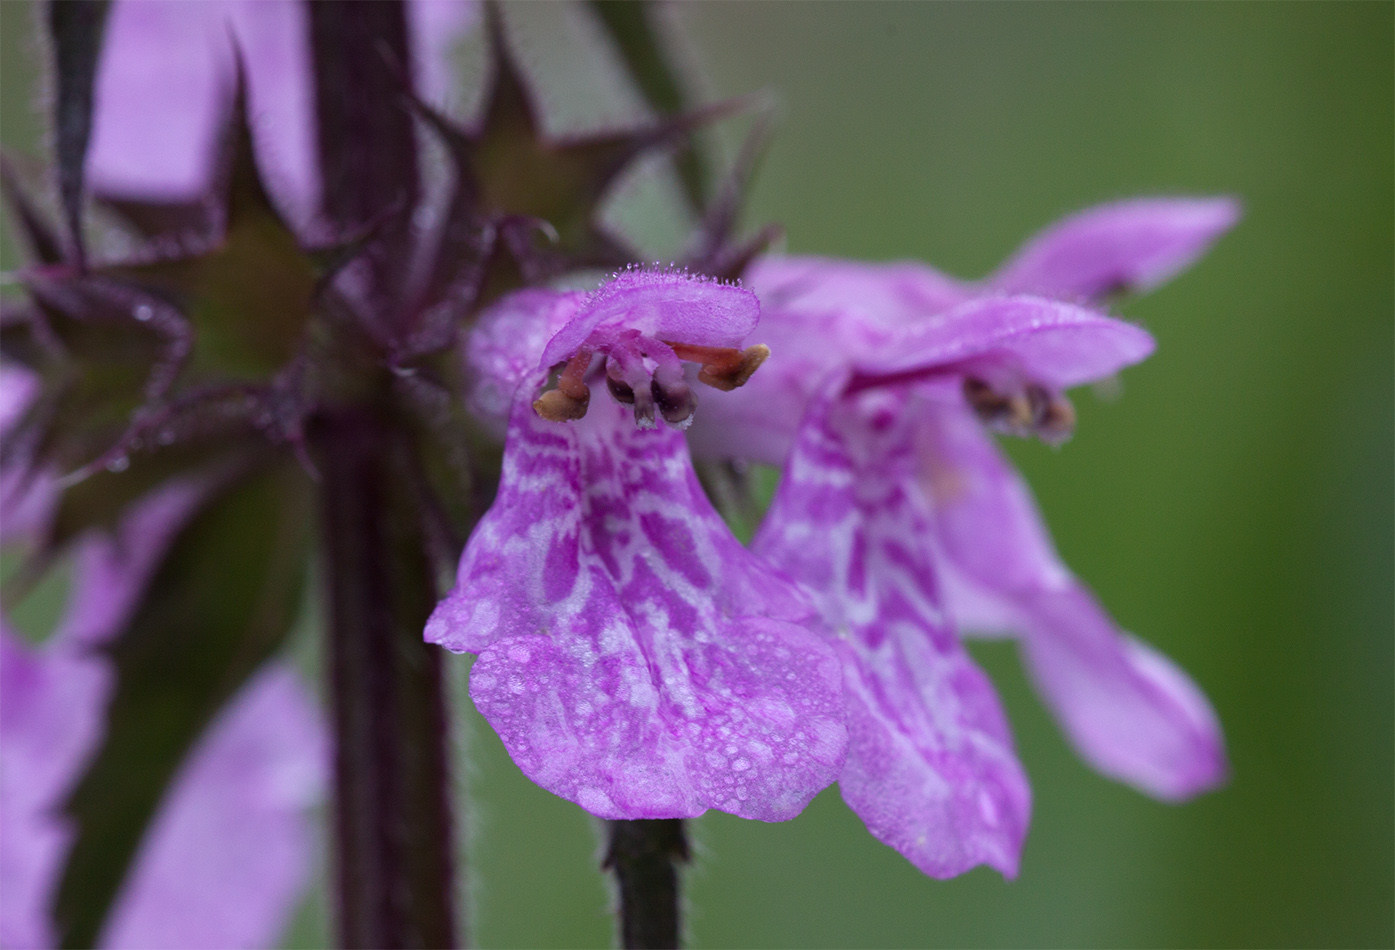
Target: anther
{"type": "Point", "coordinates": [995, 408]}
{"type": "Point", "coordinates": [569, 400]}
{"type": "Point", "coordinates": [1037, 411]}
{"type": "Point", "coordinates": [620, 390]}
{"type": "Point", "coordinates": [556, 406]}
{"type": "Point", "coordinates": [1057, 422]}
{"type": "Point", "coordinates": [722, 367]}
{"type": "Point", "coordinates": [675, 401]}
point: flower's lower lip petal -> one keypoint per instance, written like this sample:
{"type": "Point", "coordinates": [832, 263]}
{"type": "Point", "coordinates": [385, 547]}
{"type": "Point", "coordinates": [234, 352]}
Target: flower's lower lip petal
{"type": "Point", "coordinates": [986, 524]}
{"type": "Point", "coordinates": [931, 769]}
{"type": "Point", "coordinates": [749, 723]}
{"type": "Point", "coordinates": [635, 658]}
{"type": "Point", "coordinates": [1130, 712]}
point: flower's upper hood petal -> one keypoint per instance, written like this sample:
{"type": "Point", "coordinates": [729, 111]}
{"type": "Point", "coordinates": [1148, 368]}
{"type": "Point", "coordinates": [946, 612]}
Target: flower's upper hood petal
{"type": "Point", "coordinates": [1129, 711]}
{"type": "Point", "coordinates": [931, 767]}
{"type": "Point", "coordinates": [1126, 246]}
{"type": "Point", "coordinates": [1056, 344]}
{"type": "Point", "coordinates": [635, 658]}
{"type": "Point", "coordinates": [503, 346]}
{"type": "Point", "coordinates": [672, 306]}
{"type": "Point", "coordinates": [890, 294]}
{"type": "Point", "coordinates": [1048, 342]}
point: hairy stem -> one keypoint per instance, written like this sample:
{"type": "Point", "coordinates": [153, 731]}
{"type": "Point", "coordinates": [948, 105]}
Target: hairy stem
{"type": "Point", "coordinates": [365, 134]}
{"type": "Point", "coordinates": [392, 820]}
{"type": "Point", "coordinates": [645, 857]}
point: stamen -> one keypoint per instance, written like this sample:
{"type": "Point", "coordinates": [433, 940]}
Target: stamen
{"type": "Point", "coordinates": [1010, 411]}
{"type": "Point", "coordinates": [1035, 411]}
{"type": "Point", "coordinates": [675, 401]}
{"type": "Point", "coordinates": [556, 406]}
{"type": "Point", "coordinates": [722, 367]}
{"type": "Point", "coordinates": [1057, 422]}
{"type": "Point", "coordinates": [722, 357]}
{"type": "Point", "coordinates": [647, 374]}
{"type": "Point", "coordinates": [569, 400]}
{"type": "Point", "coordinates": [629, 380]}
{"type": "Point", "coordinates": [573, 378]}
{"type": "Point", "coordinates": [620, 390]}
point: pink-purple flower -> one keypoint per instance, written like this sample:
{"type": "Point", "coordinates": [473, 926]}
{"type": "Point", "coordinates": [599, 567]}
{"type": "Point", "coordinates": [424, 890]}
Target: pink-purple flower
{"type": "Point", "coordinates": [633, 656]}
{"type": "Point", "coordinates": [901, 517]}
{"type": "Point", "coordinates": [168, 58]}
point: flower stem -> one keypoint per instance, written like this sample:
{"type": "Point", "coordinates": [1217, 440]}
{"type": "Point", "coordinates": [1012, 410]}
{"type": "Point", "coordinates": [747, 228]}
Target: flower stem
{"type": "Point", "coordinates": [645, 856]}
{"type": "Point", "coordinates": [392, 820]}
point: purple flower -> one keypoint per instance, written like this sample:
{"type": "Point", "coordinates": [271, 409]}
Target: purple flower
{"type": "Point", "coordinates": [28, 491]}
{"type": "Point", "coordinates": [228, 853]}
{"type": "Point", "coordinates": [902, 517]}
{"type": "Point", "coordinates": [633, 656]}
{"type": "Point", "coordinates": [171, 58]}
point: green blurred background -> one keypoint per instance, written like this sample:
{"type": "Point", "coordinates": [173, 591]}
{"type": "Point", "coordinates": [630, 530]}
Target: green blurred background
{"type": "Point", "coordinates": [1233, 506]}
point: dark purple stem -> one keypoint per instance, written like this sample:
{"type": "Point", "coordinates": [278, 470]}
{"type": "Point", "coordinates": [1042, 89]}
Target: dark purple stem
{"type": "Point", "coordinates": [392, 817]}
{"type": "Point", "coordinates": [645, 857]}
{"type": "Point", "coordinates": [392, 797]}
{"type": "Point", "coordinates": [366, 137]}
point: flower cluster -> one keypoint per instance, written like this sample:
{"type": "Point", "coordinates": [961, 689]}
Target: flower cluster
{"type": "Point", "coordinates": [637, 661]}
{"type": "Point", "coordinates": [319, 305]}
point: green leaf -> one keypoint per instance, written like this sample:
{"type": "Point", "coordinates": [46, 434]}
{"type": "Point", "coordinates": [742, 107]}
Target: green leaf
{"type": "Point", "coordinates": [630, 24]}
{"type": "Point", "coordinates": [220, 604]}
{"type": "Point", "coordinates": [76, 27]}
{"type": "Point", "coordinates": [43, 245]}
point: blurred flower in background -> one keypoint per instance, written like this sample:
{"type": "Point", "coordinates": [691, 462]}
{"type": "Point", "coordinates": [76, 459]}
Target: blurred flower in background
{"type": "Point", "coordinates": [230, 850]}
